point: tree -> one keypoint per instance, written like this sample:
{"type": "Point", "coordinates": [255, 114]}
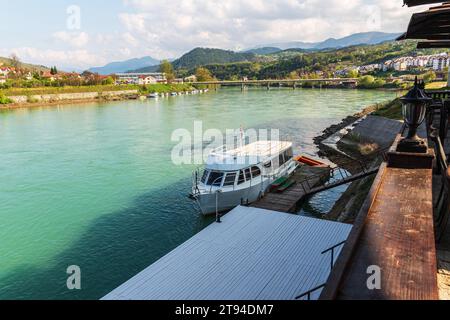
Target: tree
{"type": "Point", "coordinates": [445, 74]}
{"type": "Point", "coordinates": [167, 68]}
{"type": "Point", "coordinates": [53, 70]}
{"type": "Point", "coordinates": [293, 75]}
{"type": "Point", "coordinates": [108, 81]}
{"type": "Point", "coordinates": [203, 75]}
{"type": "Point", "coordinates": [15, 61]}
{"type": "Point", "coordinates": [353, 73]}
{"type": "Point", "coordinates": [429, 76]}
{"type": "Point", "coordinates": [366, 81]}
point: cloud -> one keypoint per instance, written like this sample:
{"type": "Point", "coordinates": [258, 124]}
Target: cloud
{"type": "Point", "coordinates": [169, 28]}
{"type": "Point", "coordinates": [74, 39]}
{"type": "Point", "coordinates": [174, 27]}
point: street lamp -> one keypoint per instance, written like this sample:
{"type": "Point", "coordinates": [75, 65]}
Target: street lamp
{"type": "Point", "coordinates": [414, 106]}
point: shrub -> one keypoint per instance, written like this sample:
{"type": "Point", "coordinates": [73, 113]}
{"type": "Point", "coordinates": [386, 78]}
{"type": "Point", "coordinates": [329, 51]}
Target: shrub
{"type": "Point", "coordinates": [31, 99]}
{"type": "Point", "coordinates": [4, 99]}
{"type": "Point", "coordinates": [366, 81]}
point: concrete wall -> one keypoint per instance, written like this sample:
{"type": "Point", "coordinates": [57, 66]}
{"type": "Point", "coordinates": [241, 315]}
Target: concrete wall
{"type": "Point", "coordinates": [379, 130]}
{"type": "Point", "coordinates": [70, 96]}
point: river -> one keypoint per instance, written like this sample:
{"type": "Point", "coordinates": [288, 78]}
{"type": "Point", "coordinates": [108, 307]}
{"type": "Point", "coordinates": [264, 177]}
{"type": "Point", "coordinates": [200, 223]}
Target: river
{"type": "Point", "coordinates": [93, 184]}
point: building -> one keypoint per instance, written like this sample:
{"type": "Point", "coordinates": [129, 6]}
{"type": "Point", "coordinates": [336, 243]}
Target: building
{"type": "Point", "coordinates": [440, 62]}
{"type": "Point", "coordinates": [141, 78]}
{"type": "Point", "coordinates": [400, 65]}
{"type": "Point", "coordinates": [369, 68]}
{"type": "Point", "coordinates": [191, 78]}
{"type": "Point", "coordinates": [4, 71]}
{"type": "Point", "coordinates": [49, 76]}
{"type": "Point", "coordinates": [28, 76]}
{"type": "Point", "coordinates": [2, 79]}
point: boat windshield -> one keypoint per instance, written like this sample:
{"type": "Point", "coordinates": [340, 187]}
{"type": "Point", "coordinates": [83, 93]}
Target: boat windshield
{"type": "Point", "coordinates": [230, 179]}
{"type": "Point", "coordinates": [215, 178]}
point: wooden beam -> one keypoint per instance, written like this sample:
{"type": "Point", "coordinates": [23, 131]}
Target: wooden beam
{"type": "Point", "coordinates": [433, 44]}
{"type": "Point", "coordinates": [413, 3]}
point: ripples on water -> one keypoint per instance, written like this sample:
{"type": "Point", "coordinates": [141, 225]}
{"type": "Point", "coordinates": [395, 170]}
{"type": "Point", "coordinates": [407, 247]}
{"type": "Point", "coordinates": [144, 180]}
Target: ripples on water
{"type": "Point", "coordinates": [93, 185]}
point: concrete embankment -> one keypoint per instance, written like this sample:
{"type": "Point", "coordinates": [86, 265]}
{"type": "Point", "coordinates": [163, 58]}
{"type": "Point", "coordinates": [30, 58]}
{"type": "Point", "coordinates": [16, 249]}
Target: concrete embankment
{"type": "Point", "coordinates": [356, 137]}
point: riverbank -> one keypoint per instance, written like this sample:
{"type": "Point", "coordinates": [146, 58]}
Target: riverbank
{"type": "Point", "coordinates": [347, 148]}
{"type": "Point", "coordinates": [51, 96]}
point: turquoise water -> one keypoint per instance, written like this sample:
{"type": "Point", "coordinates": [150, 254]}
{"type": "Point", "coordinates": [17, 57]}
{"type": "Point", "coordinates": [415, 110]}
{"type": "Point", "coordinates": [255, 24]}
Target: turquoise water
{"type": "Point", "coordinates": [93, 185]}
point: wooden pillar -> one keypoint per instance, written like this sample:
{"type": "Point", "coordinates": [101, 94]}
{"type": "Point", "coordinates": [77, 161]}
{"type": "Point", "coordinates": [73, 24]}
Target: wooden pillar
{"type": "Point", "coordinates": [268, 85]}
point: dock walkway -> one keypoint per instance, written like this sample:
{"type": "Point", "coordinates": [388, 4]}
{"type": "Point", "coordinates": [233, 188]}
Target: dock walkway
{"type": "Point", "coordinates": [253, 254]}
{"type": "Point", "coordinates": [287, 201]}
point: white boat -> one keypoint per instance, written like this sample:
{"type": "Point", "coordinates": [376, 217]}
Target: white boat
{"type": "Point", "coordinates": [173, 94]}
{"type": "Point", "coordinates": [241, 175]}
{"type": "Point", "coordinates": [153, 95]}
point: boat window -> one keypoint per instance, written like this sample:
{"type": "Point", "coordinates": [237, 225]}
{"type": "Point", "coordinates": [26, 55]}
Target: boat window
{"type": "Point", "coordinates": [241, 177]}
{"type": "Point", "coordinates": [247, 174]}
{"type": "Point", "coordinates": [268, 164]}
{"type": "Point", "coordinates": [281, 160]}
{"type": "Point", "coordinates": [215, 178]}
{"type": "Point", "coordinates": [288, 154]}
{"type": "Point", "coordinates": [205, 176]}
{"type": "Point", "coordinates": [256, 172]}
{"type": "Point", "coordinates": [230, 178]}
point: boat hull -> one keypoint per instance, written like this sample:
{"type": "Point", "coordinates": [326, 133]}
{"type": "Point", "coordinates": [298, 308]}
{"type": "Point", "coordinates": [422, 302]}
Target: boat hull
{"type": "Point", "coordinates": [228, 200]}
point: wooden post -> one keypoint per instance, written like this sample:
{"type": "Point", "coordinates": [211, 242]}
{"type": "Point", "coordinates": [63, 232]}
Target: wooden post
{"type": "Point", "coordinates": [268, 85]}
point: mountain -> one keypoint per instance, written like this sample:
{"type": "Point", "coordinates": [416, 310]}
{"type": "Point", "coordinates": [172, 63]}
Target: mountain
{"type": "Point", "coordinates": [331, 43]}
{"type": "Point", "coordinates": [264, 50]}
{"type": "Point", "coordinates": [205, 56]}
{"type": "Point", "coordinates": [124, 66]}
{"type": "Point", "coordinates": [357, 38]}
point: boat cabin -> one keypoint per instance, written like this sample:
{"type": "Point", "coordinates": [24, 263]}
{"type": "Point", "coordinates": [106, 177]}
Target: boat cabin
{"type": "Point", "coordinates": [242, 165]}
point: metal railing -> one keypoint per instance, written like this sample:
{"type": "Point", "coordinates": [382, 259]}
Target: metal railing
{"type": "Point", "coordinates": [315, 183]}
{"type": "Point", "coordinates": [332, 252]}
{"type": "Point", "coordinates": [308, 293]}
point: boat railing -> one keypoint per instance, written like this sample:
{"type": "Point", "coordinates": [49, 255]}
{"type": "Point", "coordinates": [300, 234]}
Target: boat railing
{"type": "Point", "coordinates": [219, 150]}
{"type": "Point", "coordinates": [213, 184]}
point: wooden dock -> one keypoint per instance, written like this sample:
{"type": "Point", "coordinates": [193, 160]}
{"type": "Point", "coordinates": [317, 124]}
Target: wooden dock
{"type": "Point", "coordinates": [253, 254]}
{"type": "Point", "coordinates": [288, 200]}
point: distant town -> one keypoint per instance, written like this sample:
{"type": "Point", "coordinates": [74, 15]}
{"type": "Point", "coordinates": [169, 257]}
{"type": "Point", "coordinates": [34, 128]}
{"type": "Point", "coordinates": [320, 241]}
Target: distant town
{"type": "Point", "coordinates": [435, 62]}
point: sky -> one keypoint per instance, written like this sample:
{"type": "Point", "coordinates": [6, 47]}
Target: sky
{"type": "Point", "coordinates": [78, 34]}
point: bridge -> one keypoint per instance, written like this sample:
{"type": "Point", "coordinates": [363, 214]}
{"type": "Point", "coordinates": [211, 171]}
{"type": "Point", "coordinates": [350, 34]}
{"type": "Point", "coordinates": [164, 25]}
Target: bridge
{"type": "Point", "coordinates": [280, 82]}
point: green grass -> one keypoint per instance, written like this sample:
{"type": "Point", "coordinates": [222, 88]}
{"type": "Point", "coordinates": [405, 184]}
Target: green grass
{"type": "Point", "coordinates": [165, 88]}
{"type": "Point", "coordinates": [391, 110]}
{"type": "Point", "coordinates": [437, 85]}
